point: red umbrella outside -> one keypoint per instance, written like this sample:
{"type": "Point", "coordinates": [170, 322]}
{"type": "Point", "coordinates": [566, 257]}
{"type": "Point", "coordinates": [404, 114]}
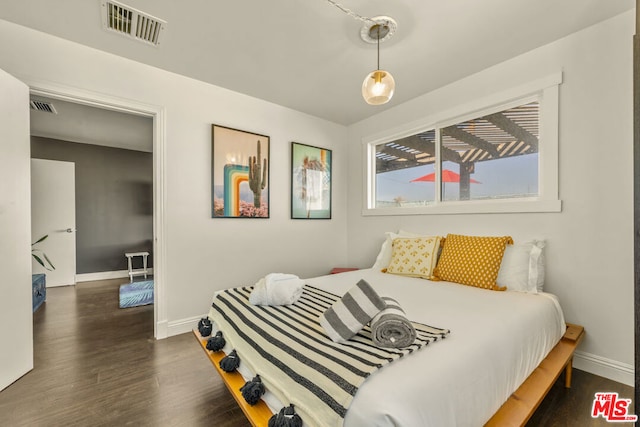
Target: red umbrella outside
{"type": "Point", "coordinates": [447, 176]}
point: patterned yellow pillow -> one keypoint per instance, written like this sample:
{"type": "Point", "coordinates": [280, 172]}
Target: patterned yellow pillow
{"type": "Point", "coordinates": [414, 256]}
{"type": "Point", "coordinates": [472, 260]}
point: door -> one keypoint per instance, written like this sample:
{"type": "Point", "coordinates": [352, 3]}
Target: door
{"type": "Point", "coordinates": [16, 321]}
{"type": "Point", "coordinates": [53, 214]}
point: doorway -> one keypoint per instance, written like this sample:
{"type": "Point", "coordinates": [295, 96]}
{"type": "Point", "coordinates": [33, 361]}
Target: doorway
{"type": "Point", "coordinates": [156, 114]}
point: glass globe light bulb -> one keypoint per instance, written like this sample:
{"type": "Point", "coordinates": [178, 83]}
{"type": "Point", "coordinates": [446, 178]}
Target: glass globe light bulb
{"type": "Point", "coordinates": [378, 87]}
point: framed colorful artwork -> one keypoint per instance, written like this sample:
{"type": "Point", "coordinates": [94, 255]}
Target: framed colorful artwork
{"type": "Point", "coordinates": [239, 174]}
{"type": "Point", "coordinates": [310, 182]}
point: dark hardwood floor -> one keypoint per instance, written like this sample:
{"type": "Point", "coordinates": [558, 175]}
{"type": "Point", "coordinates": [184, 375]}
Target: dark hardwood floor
{"type": "Point", "coordinates": [98, 365]}
{"type": "Point", "coordinates": [572, 407]}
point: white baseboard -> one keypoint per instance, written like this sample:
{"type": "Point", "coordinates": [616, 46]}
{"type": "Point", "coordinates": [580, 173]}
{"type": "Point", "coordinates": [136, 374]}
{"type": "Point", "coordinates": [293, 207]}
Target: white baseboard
{"type": "Point", "coordinates": [57, 285]}
{"type": "Point", "coordinates": [104, 275]}
{"type": "Point", "coordinates": [183, 326]}
{"type": "Point", "coordinates": [162, 330]}
{"type": "Point", "coordinates": [611, 369]}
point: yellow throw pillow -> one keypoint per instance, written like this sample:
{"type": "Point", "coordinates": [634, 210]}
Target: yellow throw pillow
{"type": "Point", "coordinates": [414, 256]}
{"type": "Point", "coordinates": [472, 260]}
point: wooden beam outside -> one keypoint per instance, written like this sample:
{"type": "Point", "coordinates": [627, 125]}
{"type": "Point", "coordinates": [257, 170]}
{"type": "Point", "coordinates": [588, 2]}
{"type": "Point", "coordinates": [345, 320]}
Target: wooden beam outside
{"type": "Point", "coordinates": [397, 153]}
{"type": "Point", "coordinates": [471, 139]}
{"type": "Point", "coordinates": [465, 181]}
{"type": "Point", "coordinates": [429, 147]}
{"type": "Point", "coordinates": [512, 128]}
{"type": "Point", "coordinates": [393, 165]}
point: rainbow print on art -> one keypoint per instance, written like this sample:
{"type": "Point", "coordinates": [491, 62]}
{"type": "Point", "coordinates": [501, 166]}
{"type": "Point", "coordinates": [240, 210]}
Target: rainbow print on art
{"type": "Point", "coordinates": [234, 175]}
{"type": "Point", "coordinates": [239, 174]}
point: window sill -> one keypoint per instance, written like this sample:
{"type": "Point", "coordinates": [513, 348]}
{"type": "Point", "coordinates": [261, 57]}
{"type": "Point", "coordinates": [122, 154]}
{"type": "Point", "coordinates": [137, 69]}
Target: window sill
{"type": "Point", "coordinates": [472, 207]}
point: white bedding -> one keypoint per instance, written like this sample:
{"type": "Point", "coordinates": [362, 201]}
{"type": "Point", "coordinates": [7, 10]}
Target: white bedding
{"type": "Point", "coordinates": [496, 340]}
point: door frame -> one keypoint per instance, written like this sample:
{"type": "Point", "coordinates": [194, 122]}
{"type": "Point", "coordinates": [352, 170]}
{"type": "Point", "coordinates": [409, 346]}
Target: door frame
{"type": "Point", "coordinates": [636, 206]}
{"type": "Point", "coordinates": [158, 114]}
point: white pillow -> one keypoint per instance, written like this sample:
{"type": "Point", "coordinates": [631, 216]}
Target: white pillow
{"type": "Point", "coordinates": [384, 256]}
{"type": "Point", "coordinates": [522, 267]}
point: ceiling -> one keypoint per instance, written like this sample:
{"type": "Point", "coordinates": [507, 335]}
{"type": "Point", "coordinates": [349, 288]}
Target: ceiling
{"type": "Point", "coordinates": [90, 125]}
{"type": "Point", "coordinates": [308, 55]}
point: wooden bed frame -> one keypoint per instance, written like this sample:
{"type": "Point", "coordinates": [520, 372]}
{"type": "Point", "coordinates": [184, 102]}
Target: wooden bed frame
{"type": "Point", "coordinates": [516, 411]}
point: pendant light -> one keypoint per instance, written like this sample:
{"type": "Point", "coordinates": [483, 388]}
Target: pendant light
{"type": "Point", "coordinates": [378, 86]}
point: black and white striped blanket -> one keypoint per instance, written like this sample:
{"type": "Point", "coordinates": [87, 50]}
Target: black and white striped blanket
{"type": "Point", "coordinates": [295, 358]}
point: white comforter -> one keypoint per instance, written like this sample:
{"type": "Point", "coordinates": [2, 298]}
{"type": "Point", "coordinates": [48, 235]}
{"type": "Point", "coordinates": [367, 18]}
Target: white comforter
{"type": "Point", "coordinates": [496, 340]}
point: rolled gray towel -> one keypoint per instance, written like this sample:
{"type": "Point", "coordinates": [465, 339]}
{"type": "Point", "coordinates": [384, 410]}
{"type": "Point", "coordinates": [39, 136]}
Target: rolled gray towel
{"type": "Point", "coordinates": [390, 328]}
{"type": "Point", "coordinates": [347, 316]}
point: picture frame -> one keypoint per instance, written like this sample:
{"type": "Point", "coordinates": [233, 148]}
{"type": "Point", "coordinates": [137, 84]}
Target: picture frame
{"type": "Point", "coordinates": [311, 182]}
{"type": "Point", "coordinates": [239, 173]}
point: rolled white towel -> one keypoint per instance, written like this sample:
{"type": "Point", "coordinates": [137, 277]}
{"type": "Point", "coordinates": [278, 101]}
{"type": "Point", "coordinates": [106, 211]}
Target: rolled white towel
{"type": "Point", "coordinates": [276, 289]}
{"type": "Point", "coordinates": [390, 328]}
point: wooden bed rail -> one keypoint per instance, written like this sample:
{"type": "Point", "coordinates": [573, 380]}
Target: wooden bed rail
{"type": "Point", "coordinates": [257, 414]}
{"type": "Point", "coordinates": [516, 411]}
{"type": "Point", "coordinates": [521, 405]}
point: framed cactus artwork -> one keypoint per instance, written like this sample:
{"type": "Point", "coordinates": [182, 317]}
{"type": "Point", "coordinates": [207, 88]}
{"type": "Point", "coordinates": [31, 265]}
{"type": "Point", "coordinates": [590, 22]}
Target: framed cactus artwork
{"type": "Point", "coordinates": [310, 182]}
{"type": "Point", "coordinates": [239, 174]}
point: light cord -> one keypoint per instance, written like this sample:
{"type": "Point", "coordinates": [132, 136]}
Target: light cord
{"type": "Point", "coordinates": [351, 13]}
{"type": "Point", "coordinates": [378, 47]}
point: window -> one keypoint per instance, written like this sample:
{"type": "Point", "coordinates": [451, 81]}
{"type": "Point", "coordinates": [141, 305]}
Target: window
{"type": "Point", "coordinates": [489, 161]}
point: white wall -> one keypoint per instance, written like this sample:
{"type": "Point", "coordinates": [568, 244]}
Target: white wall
{"type": "Point", "coordinates": [203, 254]}
{"type": "Point", "coordinates": [590, 243]}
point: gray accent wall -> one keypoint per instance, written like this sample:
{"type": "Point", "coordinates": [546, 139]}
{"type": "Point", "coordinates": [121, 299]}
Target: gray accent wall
{"type": "Point", "coordinates": [114, 201]}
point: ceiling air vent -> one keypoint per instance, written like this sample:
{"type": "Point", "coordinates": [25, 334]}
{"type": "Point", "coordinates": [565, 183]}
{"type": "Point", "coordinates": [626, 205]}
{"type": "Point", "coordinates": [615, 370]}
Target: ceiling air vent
{"type": "Point", "coordinates": [131, 22]}
{"type": "Point", "coordinates": [47, 107]}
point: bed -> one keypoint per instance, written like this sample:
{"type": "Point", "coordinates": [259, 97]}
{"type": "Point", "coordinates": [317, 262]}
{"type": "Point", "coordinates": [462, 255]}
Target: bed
{"type": "Point", "coordinates": [497, 340]}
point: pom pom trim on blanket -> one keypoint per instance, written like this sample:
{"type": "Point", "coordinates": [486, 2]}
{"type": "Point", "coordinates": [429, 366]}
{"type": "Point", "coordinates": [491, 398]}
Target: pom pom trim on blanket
{"type": "Point", "coordinates": [286, 417]}
{"type": "Point", "coordinates": [253, 390]}
{"type": "Point", "coordinates": [216, 342]}
{"type": "Point", "coordinates": [205, 327]}
{"type": "Point", "coordinates": [230, 362]}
